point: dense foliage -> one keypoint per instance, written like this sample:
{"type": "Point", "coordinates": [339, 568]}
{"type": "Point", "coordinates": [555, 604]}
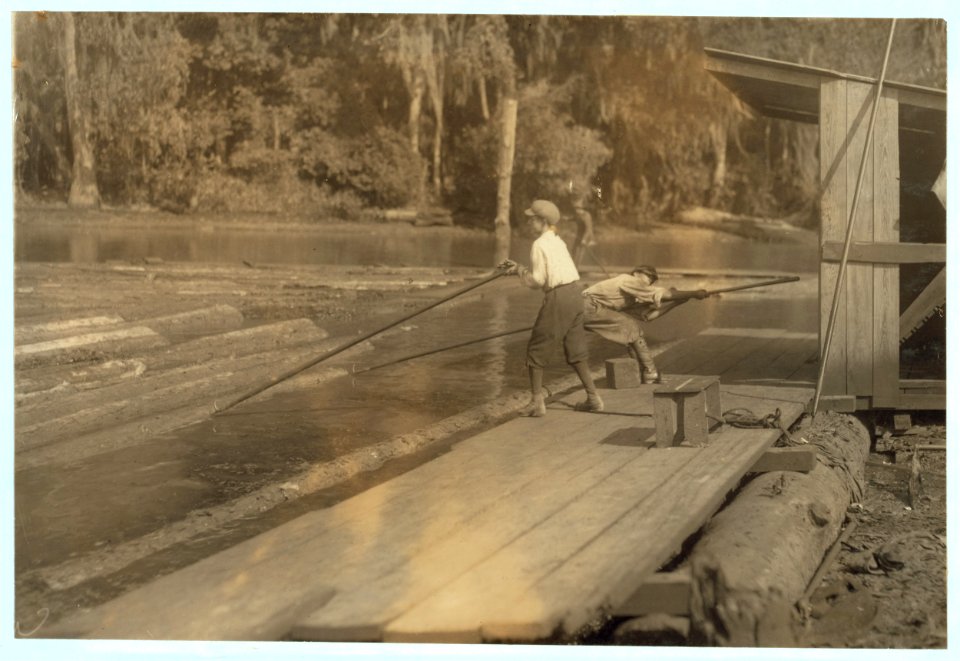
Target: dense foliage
{"type": "Point", "coordinates": [328, 114]}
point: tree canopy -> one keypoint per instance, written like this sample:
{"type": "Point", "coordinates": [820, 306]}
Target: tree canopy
{"type": "Point", "coordinates": [329, 114]}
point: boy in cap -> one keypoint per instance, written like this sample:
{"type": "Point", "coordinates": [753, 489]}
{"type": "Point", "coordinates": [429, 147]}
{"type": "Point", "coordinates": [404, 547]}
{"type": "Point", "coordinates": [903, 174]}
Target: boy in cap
{"type": "Point", "coordinates": [561, 315]}
{"type": "Point", "coordinates": [612, 307]}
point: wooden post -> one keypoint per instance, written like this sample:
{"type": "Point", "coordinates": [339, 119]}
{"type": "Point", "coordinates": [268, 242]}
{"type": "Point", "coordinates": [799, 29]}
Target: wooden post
{"type": "Point", "coordinates": [508, 133]}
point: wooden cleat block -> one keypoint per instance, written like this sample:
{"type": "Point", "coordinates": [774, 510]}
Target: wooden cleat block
{"type": "Point", "coordinates": [623, 373]}
{"type": "Point", "coordinates": [687, 411]}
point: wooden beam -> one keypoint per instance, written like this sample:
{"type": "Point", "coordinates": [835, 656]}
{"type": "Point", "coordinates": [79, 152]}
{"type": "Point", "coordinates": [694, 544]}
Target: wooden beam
{"type": "Point", "coordinates": [923, 402]}
{"type": "Point", "coordinates": [833, 222]}
{"type": "Point", "coordinates": [760, 69]}
{"type": "Point", "coordinates": [933, 296]}
{"type": "Point", "coordinates": [663, 592]}
{"type": "Point", "coordinates": [859, 337]}
{"type": "Point", "coordinates": [934, 386]}
{"type": "Point", "coordinates": [841, 403]}
{"type": "Point", "coordinates": [801, 458]}
{"type": "Point", "coordinates": [886, 253]}
{"type": "Point", "coordinates": [763, 68]}
{"type": "Point", "coordinates": [886, 277]}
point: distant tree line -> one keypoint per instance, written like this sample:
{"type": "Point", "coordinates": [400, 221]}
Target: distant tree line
{"type": "Point", "coordinates": [331, 114]}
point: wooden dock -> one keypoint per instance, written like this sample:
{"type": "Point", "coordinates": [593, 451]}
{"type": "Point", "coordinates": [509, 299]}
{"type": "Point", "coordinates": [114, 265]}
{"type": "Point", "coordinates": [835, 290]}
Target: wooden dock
{"type": "Point", "coordinates": [523, 532]}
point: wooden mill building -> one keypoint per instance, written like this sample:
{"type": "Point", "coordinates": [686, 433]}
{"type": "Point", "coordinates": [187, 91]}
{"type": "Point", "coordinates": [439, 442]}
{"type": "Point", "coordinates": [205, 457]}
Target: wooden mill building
{"type": "Point", "coordinates": [899, 236]}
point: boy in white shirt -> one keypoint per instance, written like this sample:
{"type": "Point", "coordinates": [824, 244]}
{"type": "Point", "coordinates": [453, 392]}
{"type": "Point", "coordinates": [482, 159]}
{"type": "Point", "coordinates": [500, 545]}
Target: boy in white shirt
{"type": "Point", "coordinates": [561, 315]}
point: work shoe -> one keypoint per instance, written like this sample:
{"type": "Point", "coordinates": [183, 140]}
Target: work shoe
{"type": "Point", "coordinates": [535, 409]}
{"type": "Point", "coordinates": [650, 377]}
{"type": "Point", "coordinates": [593, 403]}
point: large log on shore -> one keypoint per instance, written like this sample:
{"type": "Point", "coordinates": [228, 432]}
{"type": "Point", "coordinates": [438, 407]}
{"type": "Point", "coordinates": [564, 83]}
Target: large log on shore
{"type": "Point", "coordinates": [757, 556]}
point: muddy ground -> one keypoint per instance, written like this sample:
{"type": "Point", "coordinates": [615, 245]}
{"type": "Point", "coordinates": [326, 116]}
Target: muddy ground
{"type": "Point", "coordinates": [874, 596]}
{"type": "Point", "coordinates": [888, 584]}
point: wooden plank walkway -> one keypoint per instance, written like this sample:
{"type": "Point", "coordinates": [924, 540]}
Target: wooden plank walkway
{"type": "Point", "coordinates": [521, 532]}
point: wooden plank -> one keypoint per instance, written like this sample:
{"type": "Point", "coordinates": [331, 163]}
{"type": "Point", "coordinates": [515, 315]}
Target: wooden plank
{"type": "Point", "coordinates": [833, 222]}
{"type": "Point", "coordinates": [859, 285]}
{"type": "Point", "coordinates": [229, 594]}
{"type": "Point", "coordinates": [361, 613]}
{"type": "Point", "coordinates": [886, 277]}
{"type": "Point", "coordinates": [696, 351]}
{"type": "Point", "coordinates": [841, 403]}
{"type": "Point", "coordinates": [755, 364]}
{"type": "Point", "coordinates": [881, 252]}
{"type": "Point", "coordinates": [729, 359]}
{"type": "Point", "coordinates": [796, 355]}
{"type": "Point", "coordinates": [685, 384]}
{"type": "Point", "coordinates": [663, 592]}
{"type": "Point", "coordinates": [458, 611]}
{"type": "Point", "coordinates": [916, 402]}
{"type": "Point", "coordinates": [802, 458]}
{"type": "Point", "coordinates": [535, 587]}
{"type": "Point", "coordinates": [932, 296]}
{"type": "Point", "coordinates": [927, 385]}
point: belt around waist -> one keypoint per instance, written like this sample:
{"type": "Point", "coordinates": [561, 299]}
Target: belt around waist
{"type": "Point", "coordinates": [550, 289]}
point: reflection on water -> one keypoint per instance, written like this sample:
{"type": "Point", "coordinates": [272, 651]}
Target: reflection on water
{"type": "Point", "coordinates": [432, 247]}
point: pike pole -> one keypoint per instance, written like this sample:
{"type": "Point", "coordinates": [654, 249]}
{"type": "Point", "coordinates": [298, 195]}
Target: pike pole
{"type": "Point", "coordinates": [343, 347]}
{"type": "Point", "coordinates": [712, 292]}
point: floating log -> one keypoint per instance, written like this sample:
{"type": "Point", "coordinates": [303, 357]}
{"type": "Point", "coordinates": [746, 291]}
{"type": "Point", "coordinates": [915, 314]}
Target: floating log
{"type": "Point", "coordinates": [205, 321]}
{"type": "Point", "coordinates": [757, 556]}
{"type": "Point", "coordinates": [131, 422]}
{"type": "Point", "coordinates": [87, 346]}
{"type": "Point", "coordinates": [59, 417]}
{"type": "Point", "coordinates": [51, 379]}
{"type": "Point", "coordinates": [52, 330]}
{"type": "Point", "coordinates": [244, 342]}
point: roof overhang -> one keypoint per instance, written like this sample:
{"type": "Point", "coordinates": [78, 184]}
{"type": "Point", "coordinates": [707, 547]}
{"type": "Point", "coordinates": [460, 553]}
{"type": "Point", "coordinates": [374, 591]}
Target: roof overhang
{"type": "Point", "coordinates": [792, 91]}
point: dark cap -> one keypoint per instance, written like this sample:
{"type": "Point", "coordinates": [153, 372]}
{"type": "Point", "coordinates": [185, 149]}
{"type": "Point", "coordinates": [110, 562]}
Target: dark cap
{"type": "Point", "coordinates": [648, 271]}
{"type": "Point", "coordinates": [546, 210]}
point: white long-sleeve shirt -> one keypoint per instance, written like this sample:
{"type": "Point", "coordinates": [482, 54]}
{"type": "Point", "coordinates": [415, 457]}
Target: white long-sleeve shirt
{"type": "Point", "coordinates": [550, 263]}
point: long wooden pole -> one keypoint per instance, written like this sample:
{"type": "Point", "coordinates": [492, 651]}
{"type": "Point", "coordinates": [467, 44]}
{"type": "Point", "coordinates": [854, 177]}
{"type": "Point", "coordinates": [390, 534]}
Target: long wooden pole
{"type": "Point", "coordinates": [831, 324]}
{"type": "Point", "coordinates": [343, 347]}
{"type": "Point", "coordinates": [442, 349]}
{"type": "Point", "coordinates": [711, 292]}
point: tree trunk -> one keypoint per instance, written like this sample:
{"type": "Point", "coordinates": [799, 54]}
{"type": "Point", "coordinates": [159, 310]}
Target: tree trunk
{"type": "Point", "coordinates": [484, 104]}
{"type": "Point", "coordinates": [718, 136]}
{"type": "Point", "coordinates": [416, 88]}
{"type": "Point", "coordinates": [508, 132]}
{"type": "Point", "coordinates": [754, 560]}
{"type": "Point", "coordinates": [435, 85]}
{"type": "Point", "coordinates": [83, 184]}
